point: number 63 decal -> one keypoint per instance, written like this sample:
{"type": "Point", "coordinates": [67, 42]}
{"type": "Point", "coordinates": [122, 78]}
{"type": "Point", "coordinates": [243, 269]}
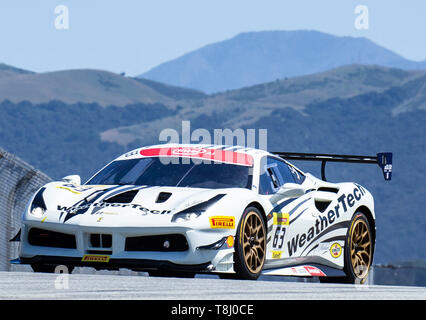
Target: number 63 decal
{"type": "Point", "coordinates": [279, 237]}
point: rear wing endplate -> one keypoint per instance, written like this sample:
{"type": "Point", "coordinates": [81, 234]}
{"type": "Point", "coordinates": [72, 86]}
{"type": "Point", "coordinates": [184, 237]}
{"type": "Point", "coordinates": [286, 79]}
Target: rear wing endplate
{"type": "Point", "coordinates": [383, 159]}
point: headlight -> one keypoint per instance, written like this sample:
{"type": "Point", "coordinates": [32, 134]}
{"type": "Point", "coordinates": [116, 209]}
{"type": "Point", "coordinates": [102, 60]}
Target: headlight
{"type": "Point", "coordinates": [38, 207]}
{"type": "Point", "coordinates": [185, 216]}
{"type": "Point", "coordinates": [37, 212]}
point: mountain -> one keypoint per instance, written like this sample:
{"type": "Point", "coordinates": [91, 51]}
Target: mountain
{"type": "Point", "coordinates": [354, 109]}
{"type": "Point", "coordinates": [257, 57]}
{"type": "Point", "coordinates": [85, 86]}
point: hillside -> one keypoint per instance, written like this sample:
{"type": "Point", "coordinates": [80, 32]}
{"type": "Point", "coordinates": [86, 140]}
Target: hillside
{"type": "Point", "coordinates": [257, 57]}
{"type": "Point", "coordinates": [8, 71]}
{"type": "Point", "coordinates": [86, 86]}
{"type": "Point", "coordinates": [246, 106]}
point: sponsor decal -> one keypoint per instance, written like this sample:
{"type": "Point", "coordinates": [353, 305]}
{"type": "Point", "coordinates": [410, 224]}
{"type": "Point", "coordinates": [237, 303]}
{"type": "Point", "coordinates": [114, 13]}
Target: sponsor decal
{"type": "Point", "coordinates": [307, 271]}
{"type": "Point", "coordinates": [108, 213]}
{"type": "Point", "coordinates": [95, 200]}
{"type": "Point", "coordinates": [131, 153]}
{"type": "Point", "coordinates": [387, 171]}
{"type": "Point", "coordinates": [276, 254]}
{"type": "Point", "coordinates": [323, 247]}
{"type": "Point", "coordinates": [344, 202]}
{"type": "Point", "coordinates": [222, 222]}
{"type": "Point", "coordinates": [299, 271]}
{"type": "Point", "coordinates": [73, 210]}
{"type": "Point", "coordinates": [279, 235]}
{"type": "Point", "coordinates": [336, 250]}
{"type": "Point", "coordinates": [95, 258]}
{"type": "Point", "coordinates": [281, 219]}
{"type": "Point", "coordinates": [315, 272]}
{"type": "Point", "coordinates": [230, 241]}
{"type": "Point", "coordinates": [192, 151]}
{"type": "Point", "coordinates": [225, 156]}
{"type": "Point", "coordinates": [83, 205]}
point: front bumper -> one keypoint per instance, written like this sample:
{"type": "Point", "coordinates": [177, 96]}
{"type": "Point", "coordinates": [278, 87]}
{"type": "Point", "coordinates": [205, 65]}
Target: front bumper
{"type": "Point", "coordinates": [200, 256]}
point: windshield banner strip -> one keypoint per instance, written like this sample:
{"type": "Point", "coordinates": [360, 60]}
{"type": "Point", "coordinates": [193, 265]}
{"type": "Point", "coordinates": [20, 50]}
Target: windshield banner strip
{"type": "Point", "coordinates": [201, 153]}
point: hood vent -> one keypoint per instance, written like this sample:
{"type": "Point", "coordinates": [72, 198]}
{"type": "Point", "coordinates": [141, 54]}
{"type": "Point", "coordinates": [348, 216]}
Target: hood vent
{"type": "Point", "coordinates": [329, 189]}
{"type": "Point", "coordinates": [163, 197]}
{"type": "Point", "coordinates": [125, 197]}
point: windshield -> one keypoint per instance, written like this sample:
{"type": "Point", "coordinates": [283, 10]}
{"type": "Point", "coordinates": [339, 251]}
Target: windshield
{"type": "Point", "coordinates": [152, 172]}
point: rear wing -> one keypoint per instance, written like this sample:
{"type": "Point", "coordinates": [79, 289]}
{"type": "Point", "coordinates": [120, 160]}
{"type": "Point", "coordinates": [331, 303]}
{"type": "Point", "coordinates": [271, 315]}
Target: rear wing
{"type": "Point", "coordinates": [383, 159]}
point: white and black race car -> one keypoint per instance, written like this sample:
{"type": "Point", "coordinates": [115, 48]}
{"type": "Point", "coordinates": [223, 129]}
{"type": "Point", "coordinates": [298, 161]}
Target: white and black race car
{"type": "Point", "coordinates": [178, 210]}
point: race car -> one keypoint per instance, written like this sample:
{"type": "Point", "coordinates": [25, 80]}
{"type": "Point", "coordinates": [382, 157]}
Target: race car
{"type": "Point", "coordinates": [183, 209]}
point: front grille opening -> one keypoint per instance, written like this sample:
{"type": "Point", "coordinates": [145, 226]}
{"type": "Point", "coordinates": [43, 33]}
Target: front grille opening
{"type": "Point", "coordinates": [167, 242]}
{"type": "Point", "coordinates": [106, 240]}
{"type": "Point", "coordinates": [98, 240]}
{"type": "Point", "coordinates": [45, 238]}
{"type": "Point", "coordinates": [95, 240]}
{"type": "Point", "coordinates": [102, 252]}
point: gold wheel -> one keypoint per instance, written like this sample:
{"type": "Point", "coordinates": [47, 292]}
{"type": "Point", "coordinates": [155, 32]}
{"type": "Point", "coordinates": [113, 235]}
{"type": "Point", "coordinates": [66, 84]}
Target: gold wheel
{"type": "Point", "coordinates": [360, 248]}
{"type": "Point", "coordinates": [253, 242]}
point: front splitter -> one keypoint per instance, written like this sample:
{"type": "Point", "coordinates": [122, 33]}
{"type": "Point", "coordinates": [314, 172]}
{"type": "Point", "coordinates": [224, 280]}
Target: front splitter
{"type": "Point", "coordinates": [113, 264]}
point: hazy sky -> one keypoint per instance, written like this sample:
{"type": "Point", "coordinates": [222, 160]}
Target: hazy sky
{"type": "Point", "coordinates": [133, 36]}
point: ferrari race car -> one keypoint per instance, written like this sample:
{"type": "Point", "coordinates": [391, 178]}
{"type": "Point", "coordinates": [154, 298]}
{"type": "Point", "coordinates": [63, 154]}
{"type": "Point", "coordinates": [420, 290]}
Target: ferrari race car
{"type": "Point", "coordinates": [179, 210]}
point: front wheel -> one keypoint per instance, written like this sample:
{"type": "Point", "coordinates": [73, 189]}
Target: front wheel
{"type": "Point", "coordinates": [250, 247]}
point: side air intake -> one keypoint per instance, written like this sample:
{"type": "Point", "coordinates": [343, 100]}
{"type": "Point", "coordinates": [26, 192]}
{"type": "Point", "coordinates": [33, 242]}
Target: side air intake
{"type": "Point", "coordinates": [323, 197]}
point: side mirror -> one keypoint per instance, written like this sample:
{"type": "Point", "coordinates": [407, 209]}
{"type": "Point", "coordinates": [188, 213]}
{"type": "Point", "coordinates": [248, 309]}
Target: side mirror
{"type": "Point", "coordinates": [74, 179]}
{"type": "Point", "coordinates": [291, 190]}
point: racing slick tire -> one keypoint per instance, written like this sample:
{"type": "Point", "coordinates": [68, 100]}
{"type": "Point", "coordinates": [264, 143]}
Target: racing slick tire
{"type": "Point", "coordinates": [358, 253]}
{"type": "Point", "coordinates": [250, 245]}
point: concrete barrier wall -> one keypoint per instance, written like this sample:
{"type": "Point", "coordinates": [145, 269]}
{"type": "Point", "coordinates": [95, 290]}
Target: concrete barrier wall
{"type": "Point", "coordinates": [18, 182]}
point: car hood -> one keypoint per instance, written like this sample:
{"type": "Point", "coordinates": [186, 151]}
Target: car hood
{"type": "Point", "coordinates": [70, 202]}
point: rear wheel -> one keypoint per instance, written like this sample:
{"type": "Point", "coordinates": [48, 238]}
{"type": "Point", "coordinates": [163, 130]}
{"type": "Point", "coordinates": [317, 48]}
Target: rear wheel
{"type": "Point", "coordinates": [359, 257]}
{"type": "Point", "coordinates": [250, 247]}
{"type": "Point", "coordinates": [358, 253]}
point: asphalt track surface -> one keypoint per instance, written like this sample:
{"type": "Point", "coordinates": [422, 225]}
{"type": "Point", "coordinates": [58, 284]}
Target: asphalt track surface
{"type": "Point", "coordinates": [27, 285]}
